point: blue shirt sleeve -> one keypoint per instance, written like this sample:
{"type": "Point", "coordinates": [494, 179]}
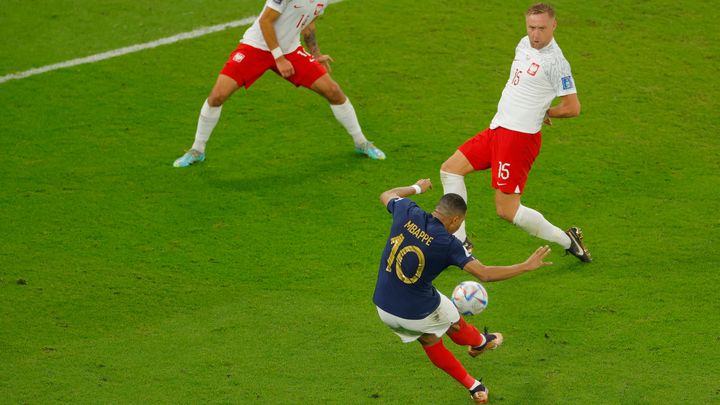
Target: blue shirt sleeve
{"type": "Point", "coordinates": [399, 203]}
{"type": "Point", "coordinates": [458, 255]}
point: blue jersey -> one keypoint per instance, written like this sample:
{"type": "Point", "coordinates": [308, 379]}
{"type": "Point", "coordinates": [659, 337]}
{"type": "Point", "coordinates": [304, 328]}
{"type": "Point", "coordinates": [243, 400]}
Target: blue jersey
{"type": "Point", "coordinates": [418, 250]}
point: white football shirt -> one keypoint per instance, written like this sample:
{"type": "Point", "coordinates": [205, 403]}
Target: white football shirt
{"type": "Point", "coordinates": [537, 76]}
{"type": "Point", "coordinates": [295, 15]}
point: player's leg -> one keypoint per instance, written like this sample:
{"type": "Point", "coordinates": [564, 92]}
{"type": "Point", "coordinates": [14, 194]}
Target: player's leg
{"type": "Point", "coordinates": [344, 112]}
{"type": "Point", "coordinates": [464, 334]}
{"type": "Point", "coordinates": [472, 155]}
{"type": "Point", "coordinates": [311, 74]}
{"type": "Point", "coordinates": [244, 66]}
{"type": "Point", "coordinates": [428, 332]}
{"type": "Point", "coordinates": [444, 319]}
{"type": "Point", "coordinates": [452, 176]}
{"type": "Point", "coordinates": [509, 208]}
{"type": "Point", "coordinates": [443, 359]}
{"type": "Point", "coordinates": [514, 155]}
{"type": "Point", "coordinates": [224, 87]}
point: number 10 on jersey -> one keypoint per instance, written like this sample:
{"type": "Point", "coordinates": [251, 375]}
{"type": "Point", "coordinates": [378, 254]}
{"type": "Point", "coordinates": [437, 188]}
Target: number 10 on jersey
{"type": "Point", "coordinates": [397, 257]}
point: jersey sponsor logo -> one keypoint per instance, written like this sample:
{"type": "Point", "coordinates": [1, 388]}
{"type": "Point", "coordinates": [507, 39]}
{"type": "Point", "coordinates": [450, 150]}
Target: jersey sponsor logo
{"type": "Point", "coordinates": [567, 83]}
{"type": "Point", "coordinates": [238, 57]}
{"type": "Point", "coordinates": [533, 69]}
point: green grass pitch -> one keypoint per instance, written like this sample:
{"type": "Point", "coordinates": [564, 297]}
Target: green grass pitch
{"type": "Point", "coordinates": [248, 279]}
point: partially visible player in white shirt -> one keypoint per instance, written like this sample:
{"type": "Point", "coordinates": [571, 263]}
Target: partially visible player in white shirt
{"type": "Point", "coordinates": [294, 17]}
{"type": "Point", "coordinates": [524, 105]}
{"type": "Point", "coordinates": [273, 43]}
{"type": "Point", "coordinates": [539, 73]}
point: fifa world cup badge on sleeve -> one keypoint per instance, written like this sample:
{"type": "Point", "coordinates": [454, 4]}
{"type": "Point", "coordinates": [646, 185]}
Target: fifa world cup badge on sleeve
{"type": "Point", "coordinates": [567, 83]}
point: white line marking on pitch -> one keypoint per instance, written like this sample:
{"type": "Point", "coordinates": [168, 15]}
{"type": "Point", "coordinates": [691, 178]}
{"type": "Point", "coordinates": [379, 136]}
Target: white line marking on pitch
{"type": "Point", "coordinates": [133, 48]}
{"type": "Point", "coordinates": [129, 49]}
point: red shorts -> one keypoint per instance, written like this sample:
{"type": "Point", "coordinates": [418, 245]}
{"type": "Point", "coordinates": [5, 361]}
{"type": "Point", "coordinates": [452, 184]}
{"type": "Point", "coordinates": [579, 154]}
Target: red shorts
{"type": "Point", "coordinates": [509, 153]}
{"type": "Point", "coordinates": [246, 64]}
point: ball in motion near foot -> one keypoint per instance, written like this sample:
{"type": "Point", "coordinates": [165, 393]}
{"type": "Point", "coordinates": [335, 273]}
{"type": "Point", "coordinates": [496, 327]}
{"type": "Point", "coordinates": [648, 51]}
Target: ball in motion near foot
{"type": "Point", "coordinates": [470, 297]}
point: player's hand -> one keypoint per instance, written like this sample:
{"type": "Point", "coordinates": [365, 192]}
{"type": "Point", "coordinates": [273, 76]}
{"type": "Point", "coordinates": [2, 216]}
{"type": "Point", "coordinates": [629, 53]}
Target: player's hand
{"type": "Point", "coordinates": [284, 67]}
{"type": "Point", "coordinates": [425, 184]}
{"type": "Point", "coordinates": [537, 259]}
{"type": "Point", "coordinates": [325, 61]}
{"type": "Point", "coordinates": [547, 120]}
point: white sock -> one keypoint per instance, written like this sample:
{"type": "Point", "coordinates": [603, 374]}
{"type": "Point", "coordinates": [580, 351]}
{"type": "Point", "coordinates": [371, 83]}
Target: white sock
{"type": "Point", "coordinates": [345, 114]}
{"type": "Point", "coordinates": [209, 117]}
{"type": "Point", "coordinates": [455, 183]}
{"type": "Point", "coordinates": [535, 224]}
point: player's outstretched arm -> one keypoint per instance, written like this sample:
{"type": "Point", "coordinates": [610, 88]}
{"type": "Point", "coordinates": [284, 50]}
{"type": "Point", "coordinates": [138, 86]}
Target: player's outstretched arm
{"type": "Point", "coordinates": [420, 186]}
{"type": "Point", "coordinates": [497, 273]}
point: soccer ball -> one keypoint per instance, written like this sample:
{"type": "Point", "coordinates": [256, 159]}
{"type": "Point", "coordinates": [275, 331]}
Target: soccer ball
{"type": "Point", "coordinates": [470, 297]}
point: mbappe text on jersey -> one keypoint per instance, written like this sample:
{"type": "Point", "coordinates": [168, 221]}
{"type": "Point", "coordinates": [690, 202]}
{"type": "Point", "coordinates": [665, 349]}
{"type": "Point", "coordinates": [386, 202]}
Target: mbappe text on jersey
{"type": "Point", "coordinates": [418, 233]}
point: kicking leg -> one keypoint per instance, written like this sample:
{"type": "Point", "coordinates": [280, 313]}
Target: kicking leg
{"type": "Point", "coordinates": [464, 334]}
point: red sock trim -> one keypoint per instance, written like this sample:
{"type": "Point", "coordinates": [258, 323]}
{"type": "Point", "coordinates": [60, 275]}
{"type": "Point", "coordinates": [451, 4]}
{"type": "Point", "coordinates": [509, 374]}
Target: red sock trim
{"type": "Point", "coordinates": [443, 359]}
{"type": "Point", "coordinates": [468, 335]}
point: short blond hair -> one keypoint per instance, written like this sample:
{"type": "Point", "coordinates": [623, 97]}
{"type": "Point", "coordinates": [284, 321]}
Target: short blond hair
{"type": "Point", "coordinates": [541, 8]}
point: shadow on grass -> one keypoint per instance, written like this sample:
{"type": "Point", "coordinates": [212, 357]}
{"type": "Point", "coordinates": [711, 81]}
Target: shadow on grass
{"type": "Point", "coordinates": [289, 174]}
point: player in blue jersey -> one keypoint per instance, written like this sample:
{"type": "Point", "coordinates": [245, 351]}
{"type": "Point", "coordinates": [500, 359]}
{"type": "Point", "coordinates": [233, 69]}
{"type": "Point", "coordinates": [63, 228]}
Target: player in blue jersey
{"type": "Point", "coordinates": [420, 247]}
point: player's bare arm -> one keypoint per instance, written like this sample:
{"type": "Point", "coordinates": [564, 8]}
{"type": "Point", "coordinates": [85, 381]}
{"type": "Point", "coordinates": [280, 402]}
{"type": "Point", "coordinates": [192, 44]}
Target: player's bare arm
{"type": "Point", "coordinates": [568, 107]}
{"type": "Point", "coordinates": [310, 41]}
{"type": "Point", "coordinates": [497, 273]}
{"type": "Point", "coordinates": [399, 192]}
{"type": "Point", "coordinates": [267, 19]}
{"type": "Point", "coordinates": [312, 46]}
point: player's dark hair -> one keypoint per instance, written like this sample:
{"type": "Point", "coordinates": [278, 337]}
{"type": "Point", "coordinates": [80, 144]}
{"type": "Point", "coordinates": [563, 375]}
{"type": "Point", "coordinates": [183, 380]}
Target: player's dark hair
{"type": "Point", "coordinates": [451, 204]}
{"type": "Point", "coordinates": [541, 8]}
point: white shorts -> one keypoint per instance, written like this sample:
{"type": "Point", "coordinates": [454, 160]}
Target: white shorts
{"type": "Point", "coordinates": [437, 323]}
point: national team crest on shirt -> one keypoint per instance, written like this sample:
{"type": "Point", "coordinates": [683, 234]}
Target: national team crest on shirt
{"type": "Point", "coordinates": [238, 57]}
{"type": "Point", "coordinates": [567, 83]}
{"type": "Point", "coordinates": [533, 69]}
